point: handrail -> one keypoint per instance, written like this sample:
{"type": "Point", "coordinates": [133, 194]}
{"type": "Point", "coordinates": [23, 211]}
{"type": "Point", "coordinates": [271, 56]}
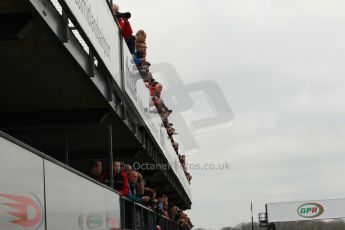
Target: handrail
{"type": "Point", "coordinates": [148, 218]}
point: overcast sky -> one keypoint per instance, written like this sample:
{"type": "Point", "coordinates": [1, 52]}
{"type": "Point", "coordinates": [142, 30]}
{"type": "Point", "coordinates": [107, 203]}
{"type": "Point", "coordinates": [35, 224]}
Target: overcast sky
{"type": "Point", "coordinates": [281, 67]}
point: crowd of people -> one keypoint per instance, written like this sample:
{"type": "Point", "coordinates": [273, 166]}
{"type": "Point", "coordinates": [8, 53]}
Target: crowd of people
{"type": "Point", "coordinates": [128, 182]}
{"type": "Point", "coordinates": [131, 184]}
{"type": "Point", "coordinates": [137, 47]}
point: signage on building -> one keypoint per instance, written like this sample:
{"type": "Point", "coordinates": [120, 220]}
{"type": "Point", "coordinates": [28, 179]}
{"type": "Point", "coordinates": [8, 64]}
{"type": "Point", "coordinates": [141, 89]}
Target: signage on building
{"type": "Point", "coordinates": [305, 210]}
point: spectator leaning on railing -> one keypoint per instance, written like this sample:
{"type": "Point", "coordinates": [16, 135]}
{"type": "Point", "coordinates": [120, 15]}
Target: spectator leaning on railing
{"type": "Point", "coordinates": [150, 191]}
{"type": "Point", "coordinates": [125, 26]}
{"type": "Point", "coordinates": [159, 203]}
{"type": "Point", "coordinates": [140, 45]}
{"type": "Point", "coordinates": [120, 179]}
{"type": "Point", "coordinates": [130, 183]}
{"type": "Point", "coordinates": [136, 190]}
{"type": "Point", "coordinates": [95, 170]}
{"type": "Point", "coordinates": [138, 48]}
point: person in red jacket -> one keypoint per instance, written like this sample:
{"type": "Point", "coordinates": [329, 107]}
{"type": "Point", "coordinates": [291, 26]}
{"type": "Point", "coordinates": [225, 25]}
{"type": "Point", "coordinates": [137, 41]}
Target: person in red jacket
{"type": "Point", "coordinates": [125, 26]}
{"type": "Point", "coordinates": [120, 179]}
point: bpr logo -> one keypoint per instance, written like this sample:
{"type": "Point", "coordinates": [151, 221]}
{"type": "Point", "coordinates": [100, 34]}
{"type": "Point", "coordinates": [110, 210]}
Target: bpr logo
{"type": "Point", "coordinates": [27, 210]}
{"type": "Point", "coordinates": [310, 210]}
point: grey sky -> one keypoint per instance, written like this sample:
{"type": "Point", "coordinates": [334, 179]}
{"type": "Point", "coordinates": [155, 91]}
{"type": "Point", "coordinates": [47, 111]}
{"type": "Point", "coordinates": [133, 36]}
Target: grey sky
{"type": "Point", "coordinates": [281, 66]}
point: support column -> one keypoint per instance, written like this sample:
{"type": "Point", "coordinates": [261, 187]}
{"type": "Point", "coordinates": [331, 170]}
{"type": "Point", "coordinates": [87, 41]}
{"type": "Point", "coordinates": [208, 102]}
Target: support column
{"type": "Point", "coordinates": [111, 158]}
{"type": "Point", "coordinates": [66, 147]}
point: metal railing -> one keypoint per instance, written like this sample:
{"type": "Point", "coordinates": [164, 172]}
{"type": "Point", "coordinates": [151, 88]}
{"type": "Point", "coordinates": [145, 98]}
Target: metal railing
{"type": "Point", "coordinates": [136, 216]}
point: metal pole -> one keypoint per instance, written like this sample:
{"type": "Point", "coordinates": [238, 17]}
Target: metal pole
{"type": "Point", "coordinates": [133, 215]}
{"type": "Point", "coordinates": [65, 28]}
{"type": "Point", "coordinates": [91, 64]}
{"type": "Point", "coordinates": [123, 68]}
{"type": "Point", "coordinates": [251, 209]}
{"type": "Point", "coordinates": [123, 212]}
{"type": "Point", "coordinates": [66, 147]}
{"type": "Point", "coordinates": [111, 169]}
{"type": "Point", "coordinates": [142, 222]}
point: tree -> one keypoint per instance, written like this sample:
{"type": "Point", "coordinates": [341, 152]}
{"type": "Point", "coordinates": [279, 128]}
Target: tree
{"type": "Point", "coordinates": [301, 225]}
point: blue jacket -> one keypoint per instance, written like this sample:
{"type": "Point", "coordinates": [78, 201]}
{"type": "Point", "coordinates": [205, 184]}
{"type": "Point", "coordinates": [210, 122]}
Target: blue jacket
{"type": "Point", "coordinates": [132, 194]}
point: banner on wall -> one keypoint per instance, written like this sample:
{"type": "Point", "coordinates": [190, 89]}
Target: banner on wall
{"type": "Point", "coordinates": [306, 210]}
{"type": "Point", "coordinates": [21, 190]}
